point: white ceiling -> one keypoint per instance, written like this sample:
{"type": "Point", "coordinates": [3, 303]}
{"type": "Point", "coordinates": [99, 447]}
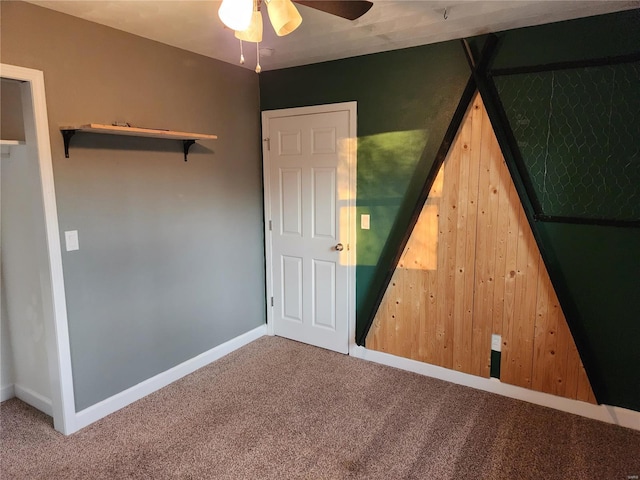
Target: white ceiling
{"type": "Point", "coordinates": [194, 25]}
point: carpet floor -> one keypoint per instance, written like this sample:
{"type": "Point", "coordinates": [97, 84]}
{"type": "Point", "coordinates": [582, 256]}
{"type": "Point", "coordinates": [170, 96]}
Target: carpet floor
{"type": "Point", "coordinates": [278, 409]}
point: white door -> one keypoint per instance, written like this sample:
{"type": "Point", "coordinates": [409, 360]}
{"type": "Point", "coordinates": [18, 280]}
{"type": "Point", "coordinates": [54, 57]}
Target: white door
{"type": "Point", "coordinates": [308, 206]}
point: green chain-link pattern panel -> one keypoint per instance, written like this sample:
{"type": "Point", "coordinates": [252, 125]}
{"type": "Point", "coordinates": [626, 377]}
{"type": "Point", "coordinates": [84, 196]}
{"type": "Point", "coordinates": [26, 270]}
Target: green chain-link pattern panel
{"type": "Point", "coordinates": [578, 131]}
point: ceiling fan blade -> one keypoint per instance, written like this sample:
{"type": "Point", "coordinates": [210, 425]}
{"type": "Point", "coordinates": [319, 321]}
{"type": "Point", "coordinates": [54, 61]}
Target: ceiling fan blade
{"type": "Point", "coordinates": [349, 9]}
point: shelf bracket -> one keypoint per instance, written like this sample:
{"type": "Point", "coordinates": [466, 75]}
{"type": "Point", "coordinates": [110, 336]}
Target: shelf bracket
{"type": "Point", "coordinates": [186, 145]}
{"type": "Point", "coordinates": [66, 135]}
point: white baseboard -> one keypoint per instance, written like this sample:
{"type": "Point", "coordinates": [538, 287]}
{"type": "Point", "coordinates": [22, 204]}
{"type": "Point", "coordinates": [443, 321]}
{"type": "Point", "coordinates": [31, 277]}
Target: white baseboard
{"type": "Point", "coordinates": [126, 397]}
{"type": "Point", "coordinates": [605, 413]}
{"type": "Point", "coordinates": [7, 392]}
{"type": "Point", "coordinates": [34, 399]}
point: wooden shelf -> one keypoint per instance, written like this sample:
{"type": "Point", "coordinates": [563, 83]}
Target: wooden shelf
{"type": "Point", "coordinates": [187, 138]}
{"type": "Point", "coordinates": [11, 142]}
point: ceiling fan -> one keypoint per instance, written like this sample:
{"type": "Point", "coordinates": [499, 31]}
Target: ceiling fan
{"type": "Point", "coordinates": [349, 9]}
{"type": "Point", "coordinates": [244, 17]}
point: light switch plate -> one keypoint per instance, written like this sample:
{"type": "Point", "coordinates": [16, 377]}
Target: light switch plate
{"type": "Point", "coordinates": [71, 240]}
{"type": "Point", "coordinates": [364, 221]}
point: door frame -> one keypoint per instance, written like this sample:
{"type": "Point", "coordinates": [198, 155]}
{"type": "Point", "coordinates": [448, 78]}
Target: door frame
{"type": "Point", "coordinates": [36, 126]}
{"type": "Point", "coordinates": [352, 158]}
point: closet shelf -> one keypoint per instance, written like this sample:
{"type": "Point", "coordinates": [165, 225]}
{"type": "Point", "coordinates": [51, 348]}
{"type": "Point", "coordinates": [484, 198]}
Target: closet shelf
{"type": "Point", "coordinates": [187, 138]}
{"type": "Point", "coordinates": [11, 142]}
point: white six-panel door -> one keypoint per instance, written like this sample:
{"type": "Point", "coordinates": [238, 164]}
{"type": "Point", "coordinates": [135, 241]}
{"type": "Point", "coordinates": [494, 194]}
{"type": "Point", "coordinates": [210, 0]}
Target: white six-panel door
{"type": "Point", "coordinates": [308, 207]}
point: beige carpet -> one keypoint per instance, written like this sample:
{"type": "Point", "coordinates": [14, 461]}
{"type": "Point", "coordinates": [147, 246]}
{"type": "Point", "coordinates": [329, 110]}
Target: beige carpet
{"type": "Point", "coordinates": [277, 409]}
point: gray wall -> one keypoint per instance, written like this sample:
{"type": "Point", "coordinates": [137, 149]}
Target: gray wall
{"type": "Point", "coordinates": [171, 259]}
{"type": "Point", "coordinates": [21, 274]}
{"type": "Point", "coordinates": [6, 353]}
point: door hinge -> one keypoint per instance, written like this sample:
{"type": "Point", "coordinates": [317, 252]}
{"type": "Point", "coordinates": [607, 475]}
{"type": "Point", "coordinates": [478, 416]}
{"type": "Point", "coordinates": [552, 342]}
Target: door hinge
{"type": "Point", "coordinates": [272, 301]}
{"type": "Point", "coordinates": [270, 225]}
{"type": "Point", "coordinates": [268, 140]}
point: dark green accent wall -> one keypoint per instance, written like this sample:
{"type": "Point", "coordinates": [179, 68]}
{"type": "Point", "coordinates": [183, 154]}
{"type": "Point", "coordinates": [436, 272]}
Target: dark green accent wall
{"type": "Point", "coordinates": [595, 269]}
{"type": "Point", "coordinates": [406, 99]}
{"type": "Point", "coordinates": [573, 40]}
{"type": "Point", "coordinates": [600, 267]}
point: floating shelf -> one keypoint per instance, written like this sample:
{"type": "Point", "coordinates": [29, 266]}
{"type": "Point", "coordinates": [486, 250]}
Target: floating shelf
{"type": "Point", "coordinates": [187, 138]}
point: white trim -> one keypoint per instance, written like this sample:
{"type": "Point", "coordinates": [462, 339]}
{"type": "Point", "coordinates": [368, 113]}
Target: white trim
{"type": "Point", "coordinates": [54, 300]}
{"type": "Point", "coordinates": [267, 219]}
{"type": "Point", "coordinates": [352, 109]}
{"type": "Point", "coordinates": [7, 392]}
{"type": "Point", "coordinates": [353, 232]}
{"type": "Point", "coordinates": [126, 397]}
{"type": "Point", "coordinates": [34, 399]}
{"type": "Point", "coordinates": [605, 413]}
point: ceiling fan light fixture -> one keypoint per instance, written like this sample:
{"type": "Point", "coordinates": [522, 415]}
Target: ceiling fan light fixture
{"type": "Point", "coordinates": [236, 14]}
{"type": "Point", "coordinates": [254, 32]}
{"type": "Point", "coordinates": [284, 16]}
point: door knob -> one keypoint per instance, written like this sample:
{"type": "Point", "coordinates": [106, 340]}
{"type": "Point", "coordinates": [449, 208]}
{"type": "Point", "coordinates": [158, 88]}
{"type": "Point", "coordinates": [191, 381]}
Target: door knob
{"type": "Point", "coordinates": [339, 247]}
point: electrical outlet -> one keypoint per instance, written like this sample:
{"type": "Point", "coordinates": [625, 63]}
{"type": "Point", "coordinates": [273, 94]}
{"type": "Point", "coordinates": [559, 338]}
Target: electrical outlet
{"type": "Point", "coordinates": [496, 343]}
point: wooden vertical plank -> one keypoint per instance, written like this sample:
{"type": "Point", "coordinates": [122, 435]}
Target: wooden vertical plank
{"type": "Point", "coordinates": [396, 312]}
{"type": "Point", "coordinates": [429, 285]}
{"type": "Point", "coordinates": [477, 122]}
{"type": "Point", "coordinates": [430, 321]}
{"type": "Point", "coordinates": [540, 335]}
{"type": "Point", "coordinates": [446, 259]}
{"type": "Point", "coordinates": [496, 164]}
{"type": "Point", "coordinates": [419, 351]}
{"type": "Point", "coordinates": [382, 335]}
{"type": "Point", "coordinates": [525, 297]}
{"type": "Point", "coordinates": [465, 244]}
{"type": "Point", "coordinates": [458, 254]}
{"type": "Point", "coordinates": [434, 296]}
{"type": "Point", "coordinates": [544, 341]}
{"type": "Point", "coordinates": [509, 346]}
{"type": "Point", "coordinates": [411, 293]}
{"type": "Point", "coordinates": [506, 192]}
{"type": "Point", "coordinates": [584, 392]}
{"type": "Point", "coordinates": [405, 302]}
{"type": "Point", "coordinates": [373, 335]}
{"type": "Point", "coordinates": [485, 250]}
{"type": "Point", "coordinates": [563, 341]}
{"type": "Point", "coordinates": [376, 338]}
{"type": "Point", "coordinates": [591, 398]}
{"type": "Point", "coordinates": [557, 371]}
{"type": "Point", "coordinates": [410, 298]}
{"type": "Point", "coordinates": [480, 318]}
{"type": "Point", "coordinates": [573, 371]}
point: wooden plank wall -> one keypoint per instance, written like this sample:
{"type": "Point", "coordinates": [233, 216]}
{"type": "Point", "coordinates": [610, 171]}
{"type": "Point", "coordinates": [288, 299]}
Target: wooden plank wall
{"type": "Point", "coordinates": [471, 269]}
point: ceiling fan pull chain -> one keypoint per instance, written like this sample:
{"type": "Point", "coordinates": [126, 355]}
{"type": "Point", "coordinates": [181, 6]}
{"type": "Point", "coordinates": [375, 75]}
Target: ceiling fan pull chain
{"type": "Point", "coordinates": [241, 54]}
{"type": "Point", "coordinates": [258, 67]}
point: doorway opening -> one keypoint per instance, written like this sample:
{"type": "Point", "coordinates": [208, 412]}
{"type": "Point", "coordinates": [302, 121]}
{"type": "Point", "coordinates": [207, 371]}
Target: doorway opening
{"type": "Point", "coordinates": [34, 307]}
